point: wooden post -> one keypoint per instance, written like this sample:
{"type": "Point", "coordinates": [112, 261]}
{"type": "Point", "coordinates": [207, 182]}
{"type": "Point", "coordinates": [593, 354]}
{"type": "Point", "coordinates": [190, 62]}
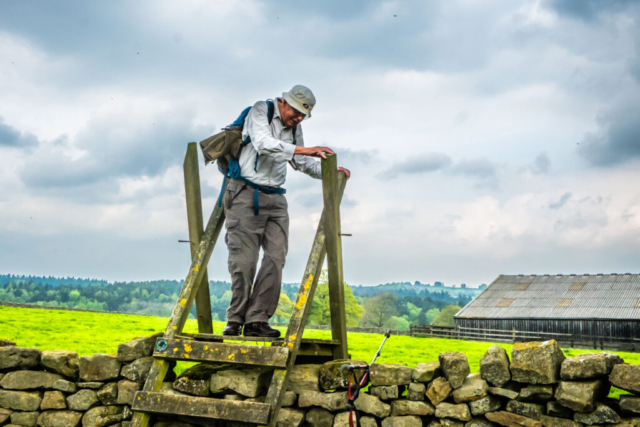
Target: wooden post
{"type": "Point", "coordinates": [334, 255]}
{"type": "Point", "coordinates": [196, 228]}
{"type": "Point", "coordinates": [514, 334]}
{"type": "Point", "coordinates": [458, 330]}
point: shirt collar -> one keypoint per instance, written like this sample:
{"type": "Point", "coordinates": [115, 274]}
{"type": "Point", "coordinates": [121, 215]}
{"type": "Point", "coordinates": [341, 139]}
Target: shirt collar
{"type": "Point", "coordinates": [276, 110]}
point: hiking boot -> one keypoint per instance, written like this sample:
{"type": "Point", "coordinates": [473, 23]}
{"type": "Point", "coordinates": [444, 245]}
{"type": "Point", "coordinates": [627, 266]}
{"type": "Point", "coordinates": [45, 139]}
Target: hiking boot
{"type": "Point", "coordinates": [260, 329]}
{"type": "Point", "coordinates": [232, 329]}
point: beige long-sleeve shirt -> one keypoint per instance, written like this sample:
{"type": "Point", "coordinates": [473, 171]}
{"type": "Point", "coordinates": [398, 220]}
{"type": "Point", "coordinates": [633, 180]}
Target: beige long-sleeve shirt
{"type": "Point", "coordinates": [274, 144]}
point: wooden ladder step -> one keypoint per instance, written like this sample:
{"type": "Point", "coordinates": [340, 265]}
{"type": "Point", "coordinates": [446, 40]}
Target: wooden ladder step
{"type": "Point", "coordinates": [202, 407]}
{"type": "Point", "coordinates": [200, 351]}
{"type": "Point", "coordinates": [220, 338]}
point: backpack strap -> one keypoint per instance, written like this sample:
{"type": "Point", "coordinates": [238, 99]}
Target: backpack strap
{"type": "Point", "coordinates": [270, 110]}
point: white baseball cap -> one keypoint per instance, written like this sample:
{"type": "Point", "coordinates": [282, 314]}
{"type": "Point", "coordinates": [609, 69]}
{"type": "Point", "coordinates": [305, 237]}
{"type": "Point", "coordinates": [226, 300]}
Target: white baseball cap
{"type": "Point", "coordinates": [301, 98]}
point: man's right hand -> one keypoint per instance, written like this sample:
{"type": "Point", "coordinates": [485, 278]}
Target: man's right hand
{"type": "Point", "coordinates": [314, 151]}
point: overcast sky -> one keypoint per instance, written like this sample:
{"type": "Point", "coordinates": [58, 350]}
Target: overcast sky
{"type": "Point", "coordinates": [484, 137]}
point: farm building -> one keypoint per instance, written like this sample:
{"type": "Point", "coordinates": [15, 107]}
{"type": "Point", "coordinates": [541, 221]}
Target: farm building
{"type": "Point", "coordinates": [581, 308]}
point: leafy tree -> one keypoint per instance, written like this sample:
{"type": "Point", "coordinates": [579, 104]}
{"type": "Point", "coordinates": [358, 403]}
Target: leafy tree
{"type": "Point", "coordinates": [445, 318]}
{"type": "Point", "coordinates": [285, 307]}
{"type": "Point", "coordinates": [414, 312]}
{"type": "Point", "coordinates": [320, 313]}
{"type": "Point", "coordinates": [431, 315]}
{"type": "Point", "coordinates": [397, 323]}
{"type": "Point", "coordinates": [379, 309]}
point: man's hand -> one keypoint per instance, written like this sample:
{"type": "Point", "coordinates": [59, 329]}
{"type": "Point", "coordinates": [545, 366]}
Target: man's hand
{"type": "Point", "coordinates": [314, 151]}
{"type": "Point", "coordinates": [346, 172]}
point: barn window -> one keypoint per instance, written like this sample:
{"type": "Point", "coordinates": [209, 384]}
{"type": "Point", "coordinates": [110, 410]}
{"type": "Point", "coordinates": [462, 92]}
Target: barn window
{"type": "Point", "coordinates": [564, 302]}
{"type": "Point", "coordinates": [505, 302]}
{"type": "Point", "coordinates": [577, 286]}
{"type": "Point", "coordinates": [521, 287]}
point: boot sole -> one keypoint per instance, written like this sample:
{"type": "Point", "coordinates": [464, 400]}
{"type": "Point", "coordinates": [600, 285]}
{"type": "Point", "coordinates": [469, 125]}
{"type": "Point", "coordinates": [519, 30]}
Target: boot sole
{"type": "Point", "coordinates": [254, 334]}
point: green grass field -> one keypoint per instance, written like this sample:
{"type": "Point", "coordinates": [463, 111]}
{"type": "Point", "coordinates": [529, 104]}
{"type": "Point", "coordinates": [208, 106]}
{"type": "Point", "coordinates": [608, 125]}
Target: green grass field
{"type": "Point", "coordinates": [89, 333]}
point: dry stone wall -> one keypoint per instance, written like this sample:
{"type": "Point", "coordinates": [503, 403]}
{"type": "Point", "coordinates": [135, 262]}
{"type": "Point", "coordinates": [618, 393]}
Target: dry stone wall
{"type": "Point", "coordinates": [535, 386]}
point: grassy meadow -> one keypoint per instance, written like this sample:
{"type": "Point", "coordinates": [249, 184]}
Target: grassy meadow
{"type": "Point", "coordinates": [89, 333]}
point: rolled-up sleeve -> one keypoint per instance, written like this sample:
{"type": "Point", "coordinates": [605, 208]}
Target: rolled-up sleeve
{"type": "Point", "coordinates": [258, 129]}
{"type": "Point", "coordinates": [309, 165]}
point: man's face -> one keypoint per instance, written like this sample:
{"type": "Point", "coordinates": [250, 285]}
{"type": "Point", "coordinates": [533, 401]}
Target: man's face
{"type": "Point", "coordinates": [289, 115]}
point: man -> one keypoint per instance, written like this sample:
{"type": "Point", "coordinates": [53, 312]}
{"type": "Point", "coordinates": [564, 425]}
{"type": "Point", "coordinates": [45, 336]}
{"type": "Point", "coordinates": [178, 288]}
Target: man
{"type": "Point", "coordinates": [256, 208]}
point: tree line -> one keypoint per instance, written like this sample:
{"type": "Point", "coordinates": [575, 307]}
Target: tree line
{"type": "Point", "coordinates": [394, 309]}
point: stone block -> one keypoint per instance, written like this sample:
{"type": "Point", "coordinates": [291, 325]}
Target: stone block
{"type": "Point", "coordinates": [102, 416]}
{"type": "Point", "coordinates": [29, 380]}
{"type": "Point", "coordinates": [137, 348]}
{"type": "Point", "coordinates": [494, 366]}
{"type": "Point", "coordinates": [12, 357]}
{"type": "Point", "coordinates": [455, 367]}
{"type": "Point", "coordinates": [630, 404]}
{"type": "Point", "coordinates": [426, 372]}
{"type": "Point", "coordinates": [60, 419]}
{"type": "Point", "coordinates": [385, 392]}
{"type": "Point", "coordinates": [196, 380]}
{"type": "Point", "coordinates": [449, 422]}
{"type": "Point", "coordinates": [388, 374]}
{"type": "Point", "coordinates": [581, 396]}
{"type": "Point", "coordinates": [406, 421]}
{"type": "Point", "coordinates": [126, 391]}
{"type": "Point", "coordinates": [83, 400]}
{"type": "Point", "coordinates": [589, 365]}
{"type": "Point", "coordinates": [304, 377]}
{"type": "Point", "coordinates": [409, 407]}
{"type": "Point", "coordinates": [64, 385]}
{"type": "Point", "coordinates": [289, 417]}
{"type": "Point", "coordinates": [27, 419]}
{"type": "Point", "coordinates": [438, 390]}
{"type": "Point", "coordinates": [100, 367]}
{"type": "Point", "coordinates": [20, 400]}
{"type": "Point", "coordinates": [511, 420]}
{"type": "Point", "coordinates": [503, 392]}
{"type": "Point", "coordinates": [289, 399]}
{"type": "Point", "coordinates": [601, 415]}
{"type": "Point", "coordinates": [536, 393]}
{"type": "Point", "coordinates": [137, 370]}
{"type": "Point", "coordinates": [6, 343]}
{"type": "Point", "coordinates": [448, 410]}
{"type": "Point", "coordinates": [332, 377]}
{"type": "Point", "coordinates": [536, 362]}
{"type": "Point", "coordinates": [372, 405]}
{"type": "Point", "coordinates": [62, 362]}
{"type": "Point", "coordinates": [486, 404]}
{"type": "Point", "coordinates": [93, 385]}
{"type": "Point", "coordinates": [247, 382]}
{"type": "Point", "coordinates": [472, 388]}
{"type": "Point", "coordinates": [479, 422]}
{"type": "Point", "coordinates": [330, 401]}
{"type": "Point", "coordinates": [53, 400]}
{"type": "Point", "coordinates": [626, 377]}
{"type": "Point", "coordinates": [554, 409]}
{"type": "Point", "coordinates": [526, 409]}
{"type": "Point", "coordinates": [368, 422]}
{"type": "Point", "coordinates": [108, 394]}
{"type": "Point", "coordinates": [319, 417]}
{"type": "Point", "coordinates": [416, 391]}
{"type": "Point", "coordinates": [5, 414]}
{"type": "Point", "coordinates": [557, 422]}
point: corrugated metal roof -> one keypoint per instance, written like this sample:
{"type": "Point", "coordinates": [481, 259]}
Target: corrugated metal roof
{"type": "Point", "coordinates": [602, 296]}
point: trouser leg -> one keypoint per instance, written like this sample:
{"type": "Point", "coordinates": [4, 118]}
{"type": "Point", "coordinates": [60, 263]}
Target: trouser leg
{"type": "Point", "coordinates": [275, 242]}
{"type": "Point", "coordinates": [243, 238]}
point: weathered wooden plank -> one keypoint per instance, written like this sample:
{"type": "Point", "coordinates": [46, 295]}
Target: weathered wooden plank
{"type": "Point", "coordinates": [196, 272]}
{"type": "Point", "coordinates": [156, 376]}
{"type": "Point", "coordinates": [202, 407]}
{"type": "Point", "coordinates": [196, 228]}
{"type": "Point", "coordinates": [218, 338]}
{"type": "Point", "coordinates": [198, 351]}
{"type": "Point", "coordinates": [334, 254]}
{"type": "Point", "coordinates": [300, 312]}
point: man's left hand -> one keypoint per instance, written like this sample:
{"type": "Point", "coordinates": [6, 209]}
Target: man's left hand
{"type": "Point", "coordinates": [346, 172]}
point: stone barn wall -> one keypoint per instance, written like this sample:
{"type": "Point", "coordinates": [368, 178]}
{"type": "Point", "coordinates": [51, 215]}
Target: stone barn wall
{"type": "Point", "coordinates": [536, 386]}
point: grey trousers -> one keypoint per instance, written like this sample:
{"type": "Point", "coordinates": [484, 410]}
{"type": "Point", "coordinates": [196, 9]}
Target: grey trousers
{"type": "Point", "coordinates": [246, 234]}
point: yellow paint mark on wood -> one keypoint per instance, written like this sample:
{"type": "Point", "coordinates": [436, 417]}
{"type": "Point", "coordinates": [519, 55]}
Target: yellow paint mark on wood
{"type": "Point", "coordinates": [206, 347]}
{"type": "Point", "coordinates": [186, 356]}
{"type": "Point", "coordinates": [187, 348]}
{"type": "Point", "coordinates": [174, 328]}
{"type": "Point", "coordinates": [231, 356]}
{"type": "Point", "coordinates": [196, 268]}
{"type": "Point", "coordinates": [183, 301]}
{"type": "Point", "coordinates": [175, 349]}
{"type": "Point", "coordinates": [302, 298]}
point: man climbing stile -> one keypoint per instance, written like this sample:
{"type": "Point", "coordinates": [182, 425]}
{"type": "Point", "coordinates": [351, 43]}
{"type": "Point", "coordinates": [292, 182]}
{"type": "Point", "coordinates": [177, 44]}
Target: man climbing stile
{"type": "Point", "coordinates": [256, 208]}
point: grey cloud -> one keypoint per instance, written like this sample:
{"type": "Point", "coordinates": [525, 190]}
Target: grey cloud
{"type": "Point", "coordinates": [589, 10]}
{"type": "Point", "coordinates": [348, 155]}
{"type": "Point", "coordinates": [541, 164]}
{"type": "Point", "coordinates": [476, 168]}
{"type": "Point", "coordinates": [560, 203]}
{"type": "Point", "coordinates": [114, 148]}
{"type": "Point", "coordinates": [416, 165]}
{"type": "Point", "coordinates": [618, 140]}
{"type": "Point", "coordinates": [12, 137]}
